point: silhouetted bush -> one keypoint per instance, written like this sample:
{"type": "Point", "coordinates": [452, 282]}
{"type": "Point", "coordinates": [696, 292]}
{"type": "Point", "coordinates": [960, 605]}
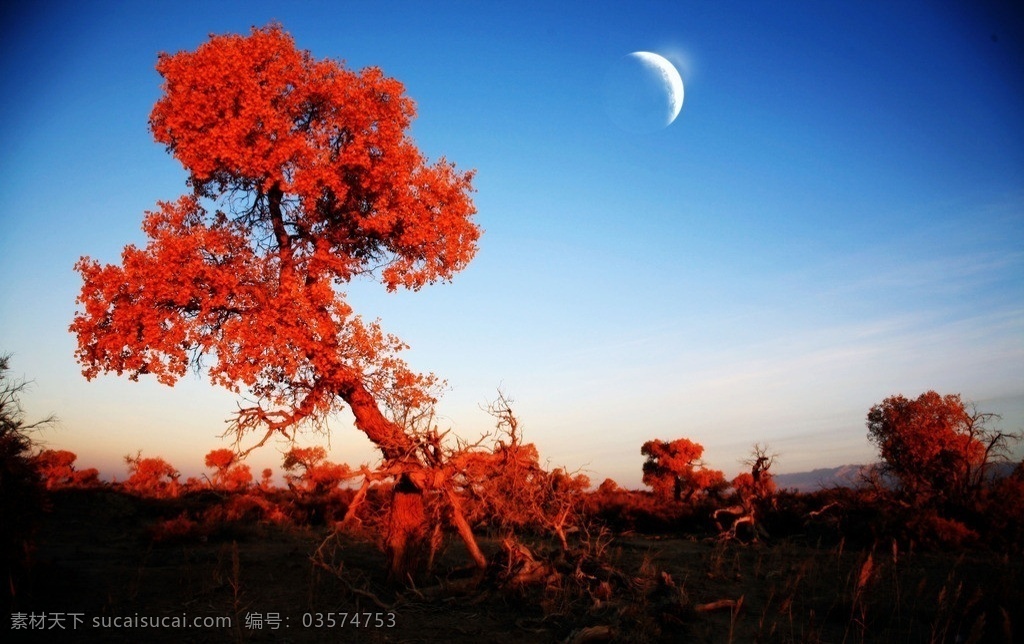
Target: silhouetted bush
{"type": "Point", "coordinates": [21, 487]}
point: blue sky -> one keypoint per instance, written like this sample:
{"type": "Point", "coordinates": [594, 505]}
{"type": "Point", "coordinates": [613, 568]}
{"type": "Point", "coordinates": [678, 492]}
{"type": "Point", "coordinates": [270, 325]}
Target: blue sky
{"type": "Point", "coordinates": [836, 216]}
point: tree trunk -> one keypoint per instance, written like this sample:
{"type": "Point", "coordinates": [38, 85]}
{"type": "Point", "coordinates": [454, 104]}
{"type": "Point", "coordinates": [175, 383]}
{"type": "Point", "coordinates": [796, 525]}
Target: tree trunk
{"type": "Point", "coordinates": [394, 443]}
{"type": "Point", "coordinates": [465, 531]}
{"type": "Point", "coordinates": [408, 540]}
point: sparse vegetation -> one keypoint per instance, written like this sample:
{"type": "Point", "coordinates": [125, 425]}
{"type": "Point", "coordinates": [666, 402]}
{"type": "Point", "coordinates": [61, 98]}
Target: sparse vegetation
{"type": "Point", "coordinates": [149, 555]}
{"type": "Point", "coordinates": [562, 562]}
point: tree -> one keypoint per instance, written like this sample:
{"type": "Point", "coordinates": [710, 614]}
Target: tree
{"type": "Point", "coordinates": [757, 485]}
{"type": "Point", "coordinates": [316, 475]}
{"type": "Point", "coordinates": [266, 480]}
{"type": "Point", "coordinates": [755, 492]}
{"type": "Point", "coordinates": [675, 471]}
{"type": "Point", "coordinates": [936, 447]}
{"type": "Point", "coordinates": [151, 477]}
{"type": "Point", "coordinates": [57, 468]}
{"type": "Point", "coordinates": [228, 473]}
{"type": "Point", "coordinates": [303, 177]}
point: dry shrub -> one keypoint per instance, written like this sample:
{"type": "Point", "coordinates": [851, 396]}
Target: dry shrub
{"type": "Point", "coordinates": [21, 489]}
{"type": "Point", "coordinates": [507, 491]}
{"type": "Point", "coordinates": [180, 528]}
{"type": "Point", "coordinates": [1000, 508]}
{"type": "Point", "coordinates": [929, 528]}
{"type": "Point", "coordinates": [586, 594]}
{"type": "Point", "coordinates": [641, 511]}
{"type": "Point", "coordinates": [247, 508]}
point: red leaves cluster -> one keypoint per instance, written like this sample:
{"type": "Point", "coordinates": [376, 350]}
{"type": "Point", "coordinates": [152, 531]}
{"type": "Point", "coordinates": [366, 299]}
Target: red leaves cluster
{"type": "Point", "coordinates": [758, 485]}
{"type": "Point", "coordinates": [254, 113]}
{"type": "Point", "coordinates": [675, 470]}
{"type": "Point", "coordinates": [750, 489]}
{"type": "Point", "coordinates": [57, 469]}
{"type": "Point", "coordinates": [933, 444]}
{"type": "Point", "coordinates": [309, 470]}
{"type": "Point", "coordinates": [228, 473]}
{"type": "Point", "coordinates": [303, 177]}
{"type": "Point", "coordinates": [151, 477]}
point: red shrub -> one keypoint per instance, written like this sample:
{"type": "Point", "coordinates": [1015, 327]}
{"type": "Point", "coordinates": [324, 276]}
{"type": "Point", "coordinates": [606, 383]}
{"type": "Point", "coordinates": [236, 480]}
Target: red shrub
{"type": "Point", "coordinates": [57, 469]}
{"type": "Point", "coordinates": [179, 528]}
{"type": "Point", "coordinates": [310, 472]}
{"type": "Point", "coordinates": [229, 474]}
{"type": "Point", "coordinates": [151, 477]}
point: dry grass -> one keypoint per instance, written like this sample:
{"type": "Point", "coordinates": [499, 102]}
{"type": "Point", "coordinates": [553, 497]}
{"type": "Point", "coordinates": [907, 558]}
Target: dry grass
{"type": "Point", "coordinates": [97, 555]}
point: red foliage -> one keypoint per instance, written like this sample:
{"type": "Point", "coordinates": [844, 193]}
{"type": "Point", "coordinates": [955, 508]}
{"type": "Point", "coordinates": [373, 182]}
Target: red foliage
{"type": "Point", "coordinates": [57, 469]}
{"type": "Point", "coordinates": [757, 485]}
{"type": "Point", "coordinates": [228, 473]}
{"type": "Point", "coordinates": [608, 487]}
{"type": "Point", "coordinates": [931, 529]}
{"type": "Point", "coordinates": [220, 459]}
{"type": "Point", "coordinates": [936, 446]}
{"type": "Point", "coordinates": [267, 479]}
{"type": "Point", "coordinates": [316, 181]}
{"type": "Point", "coordinates": [302, 177]}
{"type": "Point", "coordinates": [180, 528]}
{"type": "Point", "coordinates": [505, 487]}
{"type": "Point", "coordinates": [1002, 508]}
{"type": "Point", "coordinates": [316, 475]}
{"type": "Point", "coordinates": [675, 471]}
{"type": "Point", "coordinates": [151, 477]}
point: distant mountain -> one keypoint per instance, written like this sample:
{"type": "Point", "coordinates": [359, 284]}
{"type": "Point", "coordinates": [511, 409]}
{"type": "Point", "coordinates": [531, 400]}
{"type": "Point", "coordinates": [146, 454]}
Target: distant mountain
{"type": "Point", "coordinates": [851, 476]}
{"type": "Point", "coordinates": [824, 477]}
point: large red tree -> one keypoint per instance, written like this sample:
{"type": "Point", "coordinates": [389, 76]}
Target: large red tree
{"type": "Point", "coordinates": [936, 446]}
{"type": "Point", "coordinates": [302, 178]}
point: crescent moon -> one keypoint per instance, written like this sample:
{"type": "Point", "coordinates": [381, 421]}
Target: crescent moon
{"type": "Point", "coordinates": [669, 75]}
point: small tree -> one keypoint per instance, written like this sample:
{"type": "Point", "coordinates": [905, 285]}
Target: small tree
{"type": "Point", "coordinates": [936, 447]}
{"type": "Point", "coordinates": [151, 477]}
{"type": "Point", "coordinates": [675, 470]}
{"type": "Point", "coordinates": [309, 470]}
{"type": "Point", "coordinates": [266, 479]}
{"type": "Point", "coordinates": [757, 485]}
{"type": "Point", "coordinates": [57, 467]}
{"type": "Point", "coordinates": [228, 473]}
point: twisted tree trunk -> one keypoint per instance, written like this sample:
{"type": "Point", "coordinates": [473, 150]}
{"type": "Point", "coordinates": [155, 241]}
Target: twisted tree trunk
{"type": "Point", "coordinates": [408, 540]}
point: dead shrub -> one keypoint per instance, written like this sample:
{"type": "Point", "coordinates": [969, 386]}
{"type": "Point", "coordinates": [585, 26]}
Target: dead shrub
{"type": "Point", "coordinates": [180, 528]}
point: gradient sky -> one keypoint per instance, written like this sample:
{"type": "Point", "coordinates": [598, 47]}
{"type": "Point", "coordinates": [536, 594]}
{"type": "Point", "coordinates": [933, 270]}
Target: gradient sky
{"type": "Point", "coordinates": [836, 216]}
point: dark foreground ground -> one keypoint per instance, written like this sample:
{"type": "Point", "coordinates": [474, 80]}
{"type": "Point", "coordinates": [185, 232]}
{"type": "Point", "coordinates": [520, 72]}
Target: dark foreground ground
{"type": "Point", "coordinates": [98, 576]}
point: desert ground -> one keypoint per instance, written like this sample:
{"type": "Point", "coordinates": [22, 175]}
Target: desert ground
{"type": "Point", "coordinates": [97, 556]}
